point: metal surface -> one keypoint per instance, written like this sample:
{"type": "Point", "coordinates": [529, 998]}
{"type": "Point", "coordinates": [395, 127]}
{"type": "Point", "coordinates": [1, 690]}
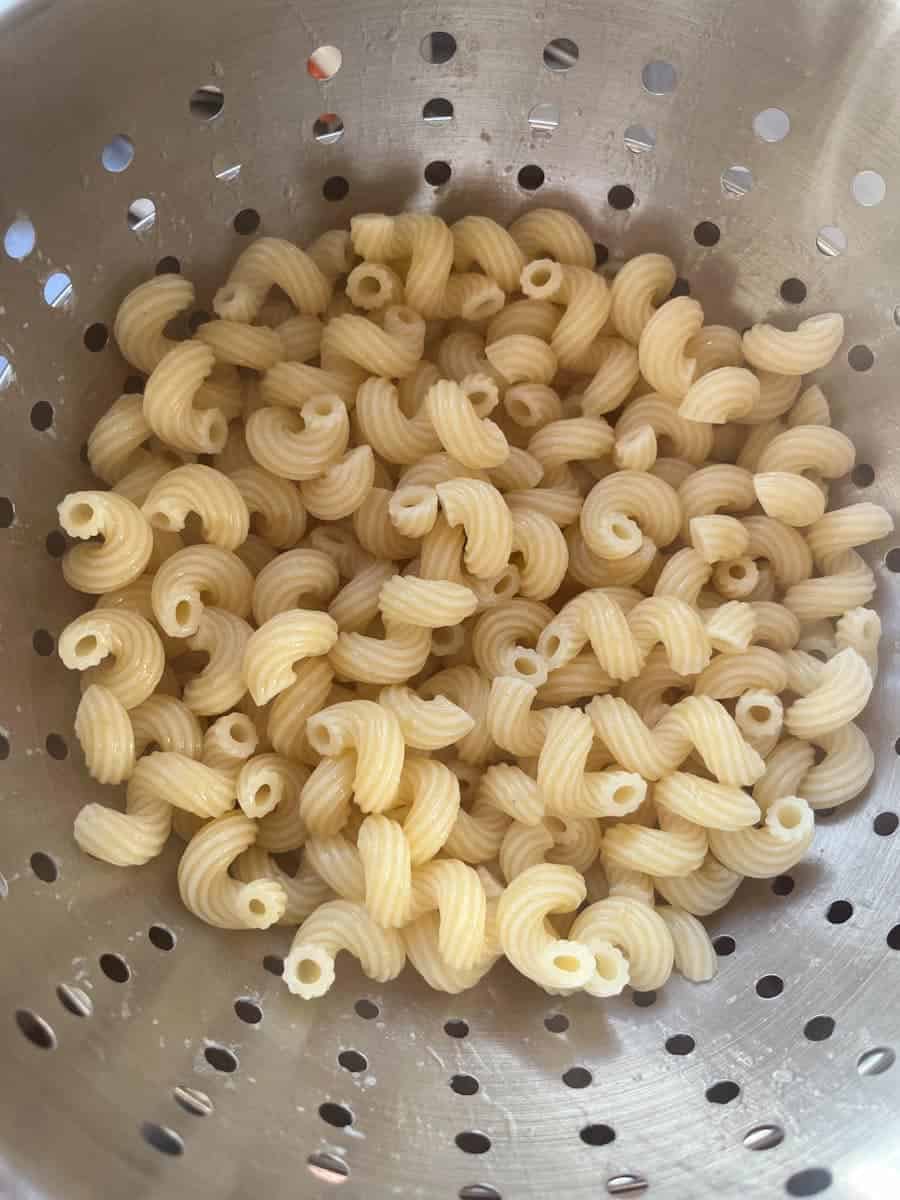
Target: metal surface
{"type": "Point", "coordinates": [821, 1114]}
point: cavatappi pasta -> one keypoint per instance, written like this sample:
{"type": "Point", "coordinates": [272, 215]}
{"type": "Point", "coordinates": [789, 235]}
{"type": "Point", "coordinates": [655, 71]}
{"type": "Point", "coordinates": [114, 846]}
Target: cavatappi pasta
{"type": "Point", "coordinates": [490, 586]}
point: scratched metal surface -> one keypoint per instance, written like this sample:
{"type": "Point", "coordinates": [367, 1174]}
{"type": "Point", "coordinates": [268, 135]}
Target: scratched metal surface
{"type": "Point", "coordinates": [71, 1115]}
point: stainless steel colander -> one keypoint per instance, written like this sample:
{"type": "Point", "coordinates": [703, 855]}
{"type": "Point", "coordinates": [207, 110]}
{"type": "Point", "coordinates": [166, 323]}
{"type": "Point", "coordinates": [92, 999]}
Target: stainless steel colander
{"type": "Point", "coordinates": [146, 1055]}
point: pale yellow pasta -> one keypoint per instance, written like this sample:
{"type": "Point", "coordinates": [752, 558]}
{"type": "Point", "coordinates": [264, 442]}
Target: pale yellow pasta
{"type": "Point", "coordinates": [511, 720]}
{"type": "Point", "coordinates": [807, 448]}
{"type": "Point", "coordinates": [223, 514]}
{"type": "Point", "coordinates": [387, 870]}
{"type": "Point", "coordinates": [772, 849]}
{"type": "Point", "coordinates": [356, 604]}
{"type": "Point", "coordinates": [648, 501]}
{"type": "Point", "coordinates": [844, 771]}
{"type": "Point", "coordinates": [567, 788]}
{"type": "Point", "coordinates": [266, 782]}
{"type": "Point", "coordinates": [473, 297]}
{"type": "Point", "coordinates": [193, 578]}
{"type": "Point", "coordinates": [276, 512]}
{"type": "Point", "coordinates": [636, 450]}
{"type": "Point", "coordinates": [757, 442]}
{"type": "Point", "coordinates": [456, 892]}
{"type": "Point", "coordinates": [388, 430]}
{"type": "Point", "coordinates": [627, 929]}
{"type": "Point", "coordinates": [571, 440]}
{"type": "Point", "coordinates": [783, 547]}
{"type": "Point", "coordinates": [480, 240]}
{"type": "Point", "coordinates": [105, 735]}
{"type": "Point", "coordinates": [266, 263]}
{"type": "Point", "coordinates": [457, 411]}
{"type": "Point", "coordinates": [639, 287]}
{"type": "Point", "coordinates": [143, 315]}
{"type": "Point", "coordinates": [115, 439]}
{"type": "Point", "coordinates": [274, 650]}
{"type": "Point", "coordinates": [375, 735]}
{"type": "Point", "coordinates": [422, 941]}
{"type": "Point", "coordinates": [228, 742]}
{"type": "Point", "coordinates": [429, 792]}
{"type": "Point", "coordinates": [541, 553]}
{"type": "Point", "coordinates": [374, 285]}
{"type": "Point", "coordinates": [519, 471]}
{"type": "Point", "coordinates": [846, 528]}
{"type": "Point", "coordinates": [289, 710]}
{"type": "Point", "coordinates": [613, 379]}
{"type": "Point", "coordinates": [170, 407]}
{"type": "Point", "coordinates": [117, 649]}
{"type": "Point", "coordinates": [585, 297]}
{"type": "Point", "coordinates": [393, 658]}
{"type": "Point", "coordinates": [703, 891]}
{"type": "Point", "coordinates": [305, 891]}
{"type": "Point", "coordinates": [373, 348]}
{"type": "Point", "coordinates": [413, 510]}
{"type": "Point", "coordinates": [425, 603]}
{"type": "Point", "coordinates": [342, 488]}
{"type": "Point", "coordinates": [841, 693]}
{"type": "Point", "coordinates": [136, 484]}
{"type": "Point", "coordinates": [663, 350]}
{"type": "Point", "coordinates": [737, 578]}
{"type": "Point", "coordinates": [759, 715]}
{"type": "Point", "coordinates": [185, 783]}
{"type": "Point", "coordinates": [461, 353]}
{"type": "Point", "coordinates": [482, 512]}
{"type": "Point", "coordinates": [810, 408]}
{"type": "Point", "coordinates": [532, 405]}
{"type": "Point", "coordinates": [335, 926]}
{"type": "Point", "coordinates": [721, 395]}
{"type": "Point", "coordinates": [776, 626]}
{"type": "Point", "coordinates": [538, 318]}
{"type": "Point", "coordinates": [300, 336]}
{"type": "Point", "coordinates": [242, 345]}
{"type": "Point", "coordinates": [376, 531]}
{"type": "Point", "coordinates": [676, 848]}
{"type": "Point", "coordinates": [296, 579]}
{"type": "Point", "coordinates": [166, 723]}
{"type": "Point", "coordinates": [553, 963]}
{"type": "Point", "coordinates": [717, 537]}
{"type": "Point", "coordinates": [509, 789]}
{"type": "Point", "coordinates": [691, 440]}
{"type": "Point", "coordinates": [808, 348]}
{"type": "Point", "coordinates": [705, 802]}
{"type": "Point", "coordinates": [291, 385]}
{"type": "Point", "coordinates": [336, 860]}
{"type": "Point", "coordinates": [522, 358]}
{"type": "Point", "coordinates": [730, 627]}
{"type": "Point", "coordinates": [209, 892]}
{"type": "Point", "coordinates": [720, 486]}
{"type": "Point", "coordinates": [324, 806]}
{"type": "Point", "coordinates": [695, 957]}
{"type": "Point", "coordinates": [656, 689]}
{"type": "Point", "coordinates": [791, 499]}
{"type": "Point", "coordinates": [777, 394]}
{"type": "Point", "coordinates": [860, 630]}
{"type": "Point", "coordinates": [847, 583]}
{"type": "Point", "coordinates": [551, 233]}
{"type": "Point", "coordinates": [130, 838]}
{"type": "Point", "coordinates": [221, 683]}
{"type": "Point", "coordinates": [500, 642]}
{"type": "Point", "coordinates": [124, 551]}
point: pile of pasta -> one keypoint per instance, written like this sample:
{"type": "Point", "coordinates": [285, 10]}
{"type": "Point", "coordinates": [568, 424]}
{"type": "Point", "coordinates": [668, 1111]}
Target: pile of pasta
{"type": "Point", "coordinates": [456, 602]}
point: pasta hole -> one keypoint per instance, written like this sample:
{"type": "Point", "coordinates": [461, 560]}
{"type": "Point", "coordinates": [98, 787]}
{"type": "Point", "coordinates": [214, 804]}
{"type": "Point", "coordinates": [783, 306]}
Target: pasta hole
{"type": "Point", "coordinates": [540, 276]}
{"type": "Point", "coordinates": [759, 712]}
{"type": "Point", "coordinates": [552, 646]}
{"type": "Point", "coordinates": [620, 531]}
{"type": "Point", "coordinates": [567, 962]}
{"type": "Point", "coordinates": [81, 515]}
{"type": "Point", "coordinates": [737, 571]}
{"type": "Point", "coordinates": [258, 908]}
{"type": "Point", "coordinates": [505, 586]}
{"type": "Point", "coordinates": [525, 666]}
{"type": "Point", "coordinates": [85, 646]}
{"type": "Point", "coordinates": [789, 816]}
{"type": "Point", "coordinates": [183, 610]}
{"type": "Point", "coordinates": [555, 826]}
{"type": "Point", "coordinates": [308, 971]}
{"type": "Point", "coordinates": [624, 795]}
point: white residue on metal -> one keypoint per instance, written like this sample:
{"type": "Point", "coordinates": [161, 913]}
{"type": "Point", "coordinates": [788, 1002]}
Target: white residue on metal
{"type": "Point", "coordinates": [437, 1058]}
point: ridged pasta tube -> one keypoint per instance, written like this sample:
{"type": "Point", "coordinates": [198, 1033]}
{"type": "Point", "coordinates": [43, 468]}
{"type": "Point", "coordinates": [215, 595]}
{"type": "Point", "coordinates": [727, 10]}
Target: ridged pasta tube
{"type": "Point", "coordinates": [223, 514]}
{"type": "Point", "coordinates": [721, 395]}
{"type": "Point", "coordinates": [105, 735]}
{"type": "Point", "coordinates": [374, 349]}
{"type": "Point", "coordinates": [481, 510]}
{"type": "Point", "coordinates": [118, 650]}
{"type": "Point", "coordinates": [509, 789]}
{"type": "Point", "coordinates": [585, 297]}
{"type": "Point", "coordinates": [676, 848]}
{"type": "Point", "coordinates": [143, 315]}
{"type": "Point", "coordinates": [126, 547]}
{"type": "Point", "coordinates": [705, 802]}
{"type": "Point", "coordinates": [276, 512]}
{"type": "Point", "coordinates": [221, 683]}
{"type": "Point", "coordinates": [717, 346]}
{"type": "Point", "coordinates": [663, 350]}
{"type": "Point", "coordinates": [208, 891]}
{"type": "Point", "coordinates": [846, 528]}
{"type": "Point", "coordinates": [720, 486]}
{"type": "Point", "coordinates": [335, 926]}
{"type": "Point", "coordinates": [304, 891]}
{"type": "Point", "coordinates": [639, 287]}
{"type": "Point", "coordinates": [567, 787]}
{"type": "Point", "coordinates": [791, 499]}
{"type": "Point", "coordinates": [193, 578]}
{"type": "Point", "coordinates": [573, 439]}
{"type": "Point", "coordinates": [342, 488]}
{"type": "Point", "coordinates": [291, 385]}
{"type": "Point", "coordinates": [167, 723]}
{"type": "Point", "coordinates": [808, 448]}
{"type": "Point", "coordinates": [690, 440]}
{"type": "Point", "coordinates": [392, 434]}
{"type": "Point", "coordinates": [425, 603]}
{"type": "Point", "coordinates": [648, 501]}
{"type": "Point", "coordinates": [430, 793]}
{"type": "Point", "coordinates": [541, 552]}
{"type": "Point", "coordinates": [695, 957]}
{"type": "Point", "coordinates": [456, 892]}
{"type": "Point", "coordinates": [480, 240]}
{"type": "Point", "coordinates": [170, 407]}
{"type": "Point", "coordinates": [228, 743]}
{"type": "Point", "coordinates": [842, 692]}
{"type": "Point", "coordinates": [459, 420]}
{"type": "Point", "coordinates": [521, 358]}
{"type": "Point", "coordinates": [130, 838]}
{"type": "Point", "coordinates": [613, 379]}
{"type": "Point", "coordinates": [275, 649]}
{"type": "Point", "coordinates": [118, 434]}
{"type": "Point", "coordinates": [703, 891]}
{"type": "Point", "coordinates": [771, 850]}
{"type": "Point", "coordinates": [551, 233]}
{"type": "Point", "coordinates": [289, 710]}
{"type": "Point", "coordinates": [426, 724]}
{"type": "Point", "coordinates": [847, 583]}
{"type": "Point", "coordinates": [395, 658]}
{"type": "Point", "coordinates": [375, 734]}
{"type": "Point", "coordinates": [553, 963]}
{"type": "Point", "coordinates": [266, 782]}
{"type": "Point", "coordinates": [272, 262]}
{"type": "Point", "coordinates": [635, 929]}
{"type": "Point", "coordinates": [717, 537]}
{"type": "Point", "coordinates": [860, 630]}
{"type": "Point", "coordinates": [809, 347]}
{"type": "Point", "coordinates": [242, 345]}
{"type": "Point", "coordinates": [384, 854]}
{"type": "Point", "coordinates": [293, 580]}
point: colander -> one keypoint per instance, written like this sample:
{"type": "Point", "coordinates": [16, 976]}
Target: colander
{"type": "Point", "coordinates": [145, 1055]}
